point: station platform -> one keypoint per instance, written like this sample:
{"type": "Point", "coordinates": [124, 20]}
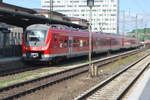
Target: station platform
{"type": "Point", "coordinates": [142, 89]}
{"type": "Point", "coordinates": [9, 59]}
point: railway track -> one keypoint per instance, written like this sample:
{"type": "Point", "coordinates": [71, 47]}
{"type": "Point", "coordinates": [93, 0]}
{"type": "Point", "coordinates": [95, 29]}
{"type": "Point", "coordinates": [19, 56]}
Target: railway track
{"type": "Point", "coordinates": [116, 86]}
{"type": "Point", "coordinates": [17, 70]}
{"type": "Point", "coordinates": [7, 71]}
{"type": "Point", "coordinates": [27, 87]}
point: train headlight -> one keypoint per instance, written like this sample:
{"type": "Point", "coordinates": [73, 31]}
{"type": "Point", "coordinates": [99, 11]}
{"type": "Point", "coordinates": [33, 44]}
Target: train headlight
{"type": "Point", "coordinates": [43, 48]}
{"type": "Point", "coordinates": [24, 55]}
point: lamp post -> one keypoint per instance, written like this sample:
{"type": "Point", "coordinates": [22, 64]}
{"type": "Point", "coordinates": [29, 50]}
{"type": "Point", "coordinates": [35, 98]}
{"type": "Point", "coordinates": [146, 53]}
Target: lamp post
{"type": "Point", "coordinates": [136, 26]}
{"type": "Point", "coordinates": [90, 4]}
{"type": "Point", "coordinates": [51, 10]}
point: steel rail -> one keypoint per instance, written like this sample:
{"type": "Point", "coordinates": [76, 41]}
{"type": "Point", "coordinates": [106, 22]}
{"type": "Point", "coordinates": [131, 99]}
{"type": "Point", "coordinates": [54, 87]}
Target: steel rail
{"type": "Point", "coordinates": [17, 70]}
{"type": "Point", "coordinates": [6, 72]}
{"type": "Point", "coordinates": [88, 93]}
{"type": "Point", "coordinates": [131, 84]}
{"type": "Point", "coordinates": [69, 73]}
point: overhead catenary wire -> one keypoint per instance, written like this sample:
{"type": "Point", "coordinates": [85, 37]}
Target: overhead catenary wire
{"type": "Point", "coordinates": [143, 17]}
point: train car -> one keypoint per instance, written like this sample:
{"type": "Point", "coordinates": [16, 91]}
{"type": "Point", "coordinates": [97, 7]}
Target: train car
{"type": "Point", "coordinates": [43, 42]}
{"type": "Point", "coordinates": [130, 43]}
{"type": "Point", "coordinates": [146, 43]}
{"type": "Point", "coordinates": [50, 42]}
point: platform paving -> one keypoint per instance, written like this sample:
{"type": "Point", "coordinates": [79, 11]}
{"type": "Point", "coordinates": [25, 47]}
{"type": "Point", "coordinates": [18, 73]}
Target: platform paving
{"type": "Point", "coordinates": [142, 90]}
{"type": "Point", "coordinates": [9, 59]}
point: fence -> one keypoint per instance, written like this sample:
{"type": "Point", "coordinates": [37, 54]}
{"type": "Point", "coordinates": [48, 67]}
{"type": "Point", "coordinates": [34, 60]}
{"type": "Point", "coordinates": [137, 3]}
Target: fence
{"type": "Point", "coordinates": [13, 50]}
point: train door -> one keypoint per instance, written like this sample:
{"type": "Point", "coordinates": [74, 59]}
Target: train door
{"type": "Point", "coordinates": [70, 46]}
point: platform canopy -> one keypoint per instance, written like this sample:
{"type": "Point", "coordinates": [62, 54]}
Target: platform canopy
{"type": "Point", "coordinates": [24, 19]}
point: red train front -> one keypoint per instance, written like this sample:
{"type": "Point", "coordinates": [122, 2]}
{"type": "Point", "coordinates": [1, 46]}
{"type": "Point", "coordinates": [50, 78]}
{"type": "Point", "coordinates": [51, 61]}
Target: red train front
{"type": "Point", "coordinates": [36, 42]}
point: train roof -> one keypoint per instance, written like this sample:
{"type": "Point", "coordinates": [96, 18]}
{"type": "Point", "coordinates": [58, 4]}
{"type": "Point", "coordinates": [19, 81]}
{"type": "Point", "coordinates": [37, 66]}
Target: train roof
{"type": "Point", "coordinates": [37, 26]}
{"type": "Point", "coordinates": [83, 32]}
{"type": "Point", "coordinates": [47, 26]}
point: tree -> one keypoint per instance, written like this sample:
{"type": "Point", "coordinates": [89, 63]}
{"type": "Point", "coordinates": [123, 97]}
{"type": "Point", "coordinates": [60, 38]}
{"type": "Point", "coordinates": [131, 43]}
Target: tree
{"type": "Point", "coordinates": [142, 34]}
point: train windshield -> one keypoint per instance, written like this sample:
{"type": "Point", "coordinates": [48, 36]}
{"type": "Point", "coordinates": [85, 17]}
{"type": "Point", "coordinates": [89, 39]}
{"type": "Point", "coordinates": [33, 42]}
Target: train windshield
{"type": "Point", "coordinates": [35, 37]}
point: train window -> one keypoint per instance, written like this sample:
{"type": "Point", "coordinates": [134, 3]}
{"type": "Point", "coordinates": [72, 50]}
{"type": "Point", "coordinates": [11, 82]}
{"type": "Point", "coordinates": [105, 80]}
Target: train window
{"type": "Point", "coordinates": [55, 46]}
{"type": "Point", "coordinates": [67, 28]}
{"type": "Point", "coordinates": [53, 26]}
{"type": "Point", "coordinates": [114, 42]}
{"type": "Point", "coordinates": [97, 43]}
{"type": "Point", "coordinates": [36, 35]}
{"type": "Point", "coordinates": [74, 43]}
{"type": "Point", "coordinates": [102, 42]}
{"type": "Point", "coordinates": [81, 43]}
{"type": "Point", "coordinates": [61, 44]}
{"type": "Point", "coordinates": [55, 40]}
{"type": "Point", "coordinates": [93, 42]}
{"type": "Point", "coordinates": [70, 43]}
{"type": "Point", "coordinates": [66, 43]}
{"type": "Point", "coordinates": [84, 43]}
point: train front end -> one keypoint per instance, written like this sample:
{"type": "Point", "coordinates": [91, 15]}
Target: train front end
{"type": "Point", "coordinates": [35, 46]}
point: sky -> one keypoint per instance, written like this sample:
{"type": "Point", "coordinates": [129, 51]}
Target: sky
{"type": "Point", "coordinates": [136, 6]}
{"type": "Point", "coordinates": [131, 8]}
{"type": "Point", "coordinates": [25, 3]}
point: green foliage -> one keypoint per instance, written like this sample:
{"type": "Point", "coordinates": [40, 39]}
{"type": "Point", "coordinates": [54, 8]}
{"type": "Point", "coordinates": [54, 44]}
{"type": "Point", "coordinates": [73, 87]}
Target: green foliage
{"type": "Point", "coordinates": [147, 30]}
{"type": "Point", "coordinates": [142, 34]}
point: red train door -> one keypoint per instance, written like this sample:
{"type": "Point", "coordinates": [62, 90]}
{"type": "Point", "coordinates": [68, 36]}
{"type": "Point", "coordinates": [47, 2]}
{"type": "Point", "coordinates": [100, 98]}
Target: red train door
{"type": "Point", "coordinates": [70, 45]}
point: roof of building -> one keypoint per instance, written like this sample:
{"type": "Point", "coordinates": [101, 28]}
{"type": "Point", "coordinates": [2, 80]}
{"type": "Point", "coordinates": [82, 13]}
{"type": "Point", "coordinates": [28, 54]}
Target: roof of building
{"type": "Point", "coordinates": [75, 19]}
{"type": "Point", "coordinates": [45, 11]}
{"type": "Point", "coordinates": [24, 19]}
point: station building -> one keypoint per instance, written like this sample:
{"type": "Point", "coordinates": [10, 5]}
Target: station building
{"type": "Point", "coordinates": [15, 35]}
{"type": "Point", "coordinates": [104, 13]}
{"type": "Point", "coordinates": [11, 40]}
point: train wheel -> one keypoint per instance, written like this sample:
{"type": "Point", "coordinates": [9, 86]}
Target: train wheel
{"type": "Point", "coordinates": [57, 60]}
{"type": "Point", "coordinates": [109, 52]}
{"type": "Point", "coordinates": [49, 63]}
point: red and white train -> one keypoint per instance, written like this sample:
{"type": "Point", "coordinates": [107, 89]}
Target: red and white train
{"type": "Point", "coordinates": [43, 42]}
